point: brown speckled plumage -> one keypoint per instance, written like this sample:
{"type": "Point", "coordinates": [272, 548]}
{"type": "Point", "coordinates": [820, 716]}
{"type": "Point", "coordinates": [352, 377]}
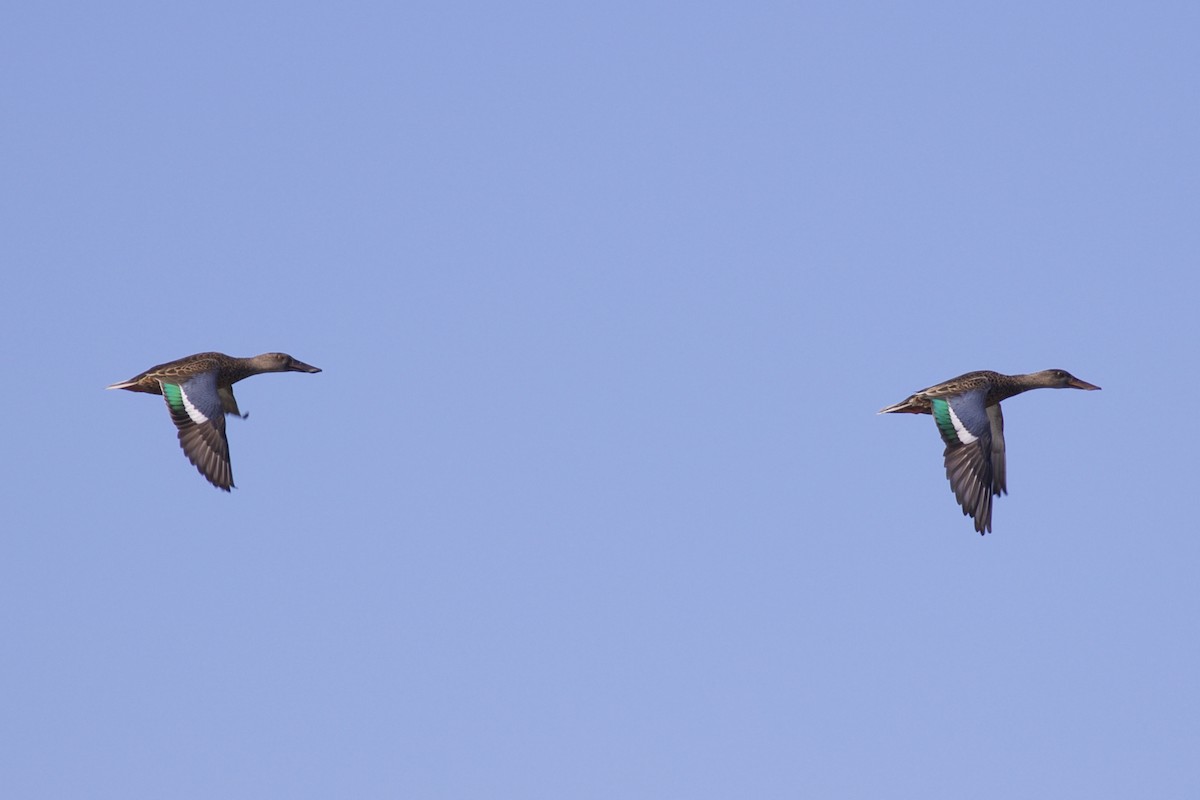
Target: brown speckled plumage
{"type": "Point", "coordinates": [971, 424]}
{"type": "Point", "coordinates": [199, 393]}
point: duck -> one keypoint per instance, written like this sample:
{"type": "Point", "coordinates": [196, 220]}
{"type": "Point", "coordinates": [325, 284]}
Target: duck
{"type": "Point", "coordinates": [198, 390]}
{"type": "Point", "coordinates": [967, 412]}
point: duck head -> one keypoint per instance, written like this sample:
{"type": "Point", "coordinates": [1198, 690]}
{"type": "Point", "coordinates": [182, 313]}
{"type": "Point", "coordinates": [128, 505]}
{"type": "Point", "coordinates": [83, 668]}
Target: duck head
{"type": "Point", "coordinates": [282, 362]}
{"type": "Point", "coordinates": [1061, 379]}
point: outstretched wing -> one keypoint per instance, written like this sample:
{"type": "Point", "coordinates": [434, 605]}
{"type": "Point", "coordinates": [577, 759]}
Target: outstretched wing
{"type": "Point", "coordinates": [999, 462]}
{"type": "Point", "coordinates": [974, 454]}
{"type": "Point", "coordinates": [196, 409]}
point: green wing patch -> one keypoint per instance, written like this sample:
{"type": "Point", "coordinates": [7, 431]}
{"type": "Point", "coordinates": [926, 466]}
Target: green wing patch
{"type": "Point", "coordinates": [174, 396]}
{"type": "Point", "coordinates": [941, 415]}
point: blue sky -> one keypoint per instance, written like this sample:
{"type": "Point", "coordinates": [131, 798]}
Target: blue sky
{"type": "Point", "coordinates": [591, 499]}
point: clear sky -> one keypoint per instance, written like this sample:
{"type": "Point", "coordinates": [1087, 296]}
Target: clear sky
{"type": "Point", "coordinates": [591, 499]}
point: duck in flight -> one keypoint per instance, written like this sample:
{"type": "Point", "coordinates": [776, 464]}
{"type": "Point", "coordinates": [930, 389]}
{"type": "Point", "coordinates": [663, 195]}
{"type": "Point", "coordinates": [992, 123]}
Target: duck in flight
{"type": "Point", "coordinates": [199, 393]}
{"type": "Point", "coordinates": [967, 412]}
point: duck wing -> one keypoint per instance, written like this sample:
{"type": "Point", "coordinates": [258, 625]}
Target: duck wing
{"type": "Point", "coordinates": [999, 463]}
{"type": "Point", "coordinates": [974, 438]}
{"type": "Point", "coordinates": [196, 409]}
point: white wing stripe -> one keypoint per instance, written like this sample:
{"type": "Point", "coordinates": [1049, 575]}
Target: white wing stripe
{"type": "Point", "coordinates": [964, 435]}
{"type": "Point", "coordinates": [200, 419]}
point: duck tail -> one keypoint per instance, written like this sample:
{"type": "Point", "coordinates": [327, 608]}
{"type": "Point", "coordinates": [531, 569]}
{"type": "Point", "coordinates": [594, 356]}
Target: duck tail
{"type": "Point", "coordinates": [909, 405]}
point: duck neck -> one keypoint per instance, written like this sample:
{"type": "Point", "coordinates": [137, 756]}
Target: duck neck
{"type": "Point", "coordinates": [1015, 385]}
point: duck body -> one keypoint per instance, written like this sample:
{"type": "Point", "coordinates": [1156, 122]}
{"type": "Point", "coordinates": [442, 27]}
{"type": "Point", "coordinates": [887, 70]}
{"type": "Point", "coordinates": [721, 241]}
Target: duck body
{"type": "Point", "coordinates": [967, 413]}
{"type": "Point", "coordinates": [199, 393]}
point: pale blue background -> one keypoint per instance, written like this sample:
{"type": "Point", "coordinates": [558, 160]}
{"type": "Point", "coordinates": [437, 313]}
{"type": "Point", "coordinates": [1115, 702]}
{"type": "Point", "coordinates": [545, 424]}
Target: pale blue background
{"type": "Point", "coordinates": [591, 500]}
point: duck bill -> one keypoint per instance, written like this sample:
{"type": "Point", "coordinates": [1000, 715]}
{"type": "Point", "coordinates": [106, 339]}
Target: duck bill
{"type": "Point", "coordinates": [300, 366]}
{"type": "Point", "coordinates": [1075, 383]}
